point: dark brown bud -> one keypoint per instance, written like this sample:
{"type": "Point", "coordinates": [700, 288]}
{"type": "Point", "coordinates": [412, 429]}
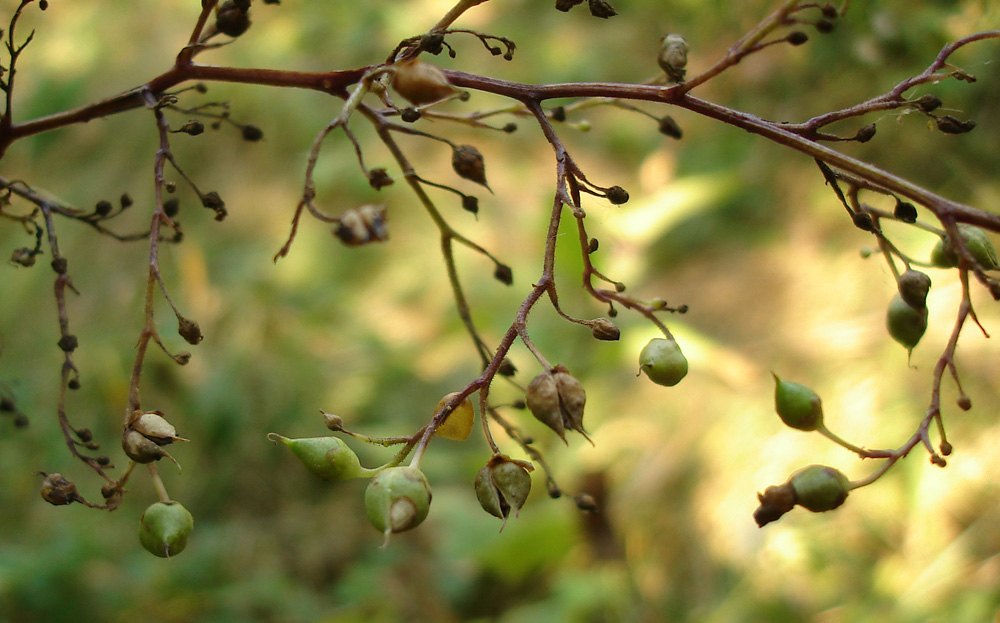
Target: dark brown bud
{"type": "Point", "coordinates": [616, 195]}
{"type": "Point", "coordinates": [863, 221]}
{"type": "Point", "coordinates": [252, 133]}
{"type": "Point", "coordinates": [193, 128]}
{"type": "Point", "coordinates": [797, 37]}
{"type": "Point", "coordinates": [231, 19]}
{"type": "Point", "coordinates": [57, 490]}
{"type": "Point", "coordinates": [379, 179]}
{"type": "Point", "coordinates": [905, 211]}
{"type": "Point", "coordinates": [503, 274]}
{"type": "Point", "coordinates": [951, 125]}
{"type": "Point", "coordinates": [566, 5]}
{"type": "Point", "coordinates": [509, 128]}
{"type": "Point", "coordinates": [85, 434]}
{"type": "Point", "coordinates": [825, 26]}
{"type": "Point", "coordinates": [68, 343]}
{"type": "Point", "coordinates": [865, 134]}
{"type": "Point", "coordinates": [774, 502]}
{"type": "Point", "coordinates": [928, 102]}
{"type": "Point", "coordinates": [601, 8]}
{"type": "Point", "coordinates": [669, 127]}
{"type": "Point", "coordinates": [103, 208]}
{"type": "Point", "coordinates": [559, 114]}
{"type": "Point", "coordinates": [964, 402]}
{"type": "Point", "coordinates": [470, 204]}
{"type": "Point", "coordinates": [60, 265]}
{"type": "Point", "coordinates": [468, 163]}
{"type": "Point", "coordinates": [593, 245]}
{"type": "Point", "coordinates": [171, 207]}
{"type": "Point", "coordinates": [213, 201]}
{"type": "Point", "coordinates": [190, 331]}
{"type": "Point", "coordinates": [409, 114]}
{"type": "Point", "coordinates": [507, 368]}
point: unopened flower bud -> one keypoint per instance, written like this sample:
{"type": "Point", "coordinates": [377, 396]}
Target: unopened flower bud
{"type": "Point", "coordinates": [397, 499]}
{"type": "Point", "coordinates": [164, 529]}
{"type": "Point", "coordinates": [231, 19]}
{"type": "Point", "coordinates": [502, 486]}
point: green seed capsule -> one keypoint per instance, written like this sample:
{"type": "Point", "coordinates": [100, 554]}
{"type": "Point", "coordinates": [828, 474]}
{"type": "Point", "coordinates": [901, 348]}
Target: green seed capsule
{"type": "Point", "coordinates": [327, 457]}
{"type": "Point", "coordinates": [797, 405]}
{"type": "Point", "coordinates": [906, 325]}
{"type": "Point", "coordinates": [820, 488]}
{"type": "Point", "coordinates": [976, 241]}
{"type": "Point", "coordinates": [663, 362]}
{"type": "Point", "coordinates": [164, 529]}
{"type": "Point", "coordinates": [397, 499]}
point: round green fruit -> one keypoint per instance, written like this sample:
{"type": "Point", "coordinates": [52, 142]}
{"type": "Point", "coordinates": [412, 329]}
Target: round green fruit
{"type": "Point", "coordinates": [820, 488]}
{"type": "Point", "coordinates": [397, 499]}
{"type": "Point", "coordinates": [663, 362]}
{"type": "Point", "coordinates": [906, 324]}
{"type": "Point", "coordinates": [164, 529]}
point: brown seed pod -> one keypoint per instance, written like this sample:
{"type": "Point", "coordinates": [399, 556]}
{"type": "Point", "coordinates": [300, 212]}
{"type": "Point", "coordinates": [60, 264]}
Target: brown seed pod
{"type": "Point", "coordinates": [362, 225]}
{"type": "Point", "coordinates": [420, 83]}
{"type": "Point", "coordinates": [468, 163]}
{"type": "Point", "coordinates": [673, 57]}
{"type": "Point", "coordinates": [556, 399]}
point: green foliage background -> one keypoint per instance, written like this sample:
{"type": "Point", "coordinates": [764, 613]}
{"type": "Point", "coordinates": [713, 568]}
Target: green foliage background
{"type": "Point", "coordinates": [744, 233]}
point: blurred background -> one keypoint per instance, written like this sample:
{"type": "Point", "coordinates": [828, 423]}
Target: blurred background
{"type": "Point", "coordinates": [743, 232]}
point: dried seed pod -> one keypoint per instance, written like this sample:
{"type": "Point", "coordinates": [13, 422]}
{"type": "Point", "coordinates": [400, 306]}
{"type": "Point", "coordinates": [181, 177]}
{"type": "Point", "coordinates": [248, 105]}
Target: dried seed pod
{"type": "Point", "coordinates": [913, 287]}
{"type": "Point", "coordinates": [604, 329]}
{"type": "Point", "coordinates": [797, 405]}
{"type": "Point", "coordinates": [673, 57]}
{"type": "Point", "coordinates": [663, 362]}
{"type": "Point", "coordinates": [58, 490]}
{"type": "Point", "coordinates": [458, 424]}
{"type": "Point", "coordinates": [905, 211]}
{"type": "Point", "coordinates": [601, 8]}
{"type": "Point", "coordinates": [397, 499]}
{"type": "Point", "coordinates": [362, 225]}
{"type": "Point", "coordinates": [164, 529]}
{"type": "Point", "coordinates": [502, 486]}
{"type": "Point", "coordinates": [557, 400]}
{"type": "Point", "coordinates": [468, 164]}
{"type": "Point", "coordinates": [420, 83]}
{"type": "Point", "coordinates": [154, 427]}
{"type": "Point", "coordinates": [190, 331]}
{"type": "Point", "coordinates": [142, 441]}
{"type": "Point", "coordinates": [328, 458]}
